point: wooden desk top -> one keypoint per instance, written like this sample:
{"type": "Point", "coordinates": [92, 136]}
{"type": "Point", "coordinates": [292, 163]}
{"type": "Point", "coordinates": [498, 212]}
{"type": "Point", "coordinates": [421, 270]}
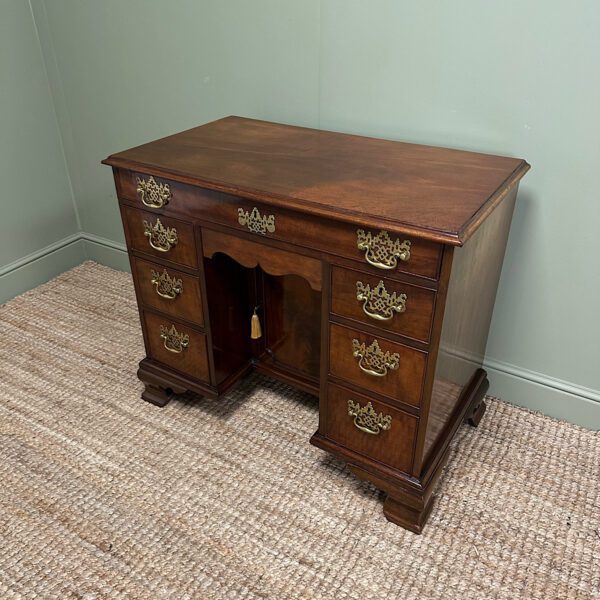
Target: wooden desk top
{"type": "Point", "coordinates": [436, 193]}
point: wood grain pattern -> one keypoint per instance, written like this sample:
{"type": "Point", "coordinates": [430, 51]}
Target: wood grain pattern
{"type": "Point", "coordinates": [393, 447]}
{"type": "Point", "coordinates": [252, 254]}
{"type": "Point", "coordinates": [192, 361]}
{"type": "Point", "coordinates": [435, 193]}
{"type": "Point", "coordinates": [469, 306]}
{"type": "Point", "coordinates": [414, 323]}
{"type": "Point", "coordinates": [300, 228]}
{"type": "Point", "coordinates": [186, 305]}
{"type": "Point", "coordinates": [292, 324]}
{"type": "Point", "coordinates": [183, 253]}
{"type": "Point", "coordinates": [403, 385]}
{"type": "Point", "coordinates": [229, 290]}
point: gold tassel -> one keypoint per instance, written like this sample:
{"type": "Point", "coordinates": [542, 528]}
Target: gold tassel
{"type": "Point", "coordinates": [255, 328]}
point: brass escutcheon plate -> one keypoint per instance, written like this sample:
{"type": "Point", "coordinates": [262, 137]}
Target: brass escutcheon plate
{"type": "Point", "coordinates": [378, 303]}
{"type": "Point", "coordinates": [153, 194]}
{"type": "Point", "coordinates": [373, 360]}
{"type": "Point", "coordinates": [256, 222]}
{"type": "Point", "coordinates": [367, 420]}
{"type": "Point", "coordinates": [381, 251]}
{"type": "Point", "coordinates": [166, 286]}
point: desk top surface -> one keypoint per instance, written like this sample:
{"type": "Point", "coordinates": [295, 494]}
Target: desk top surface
{"type": "Point", "coordinates": [437, 193]}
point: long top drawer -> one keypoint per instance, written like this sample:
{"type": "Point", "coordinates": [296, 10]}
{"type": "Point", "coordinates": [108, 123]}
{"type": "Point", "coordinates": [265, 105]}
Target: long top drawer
{"type": "Point", "coordinates": [378, 251]}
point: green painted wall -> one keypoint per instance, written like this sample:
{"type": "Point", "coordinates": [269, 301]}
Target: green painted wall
{"type": "Point", "coordinates": [510, 78]}
{"type": "Point", "coordinates": [38, 221]}
{"type": "Point", "coordinates": [137, 70]}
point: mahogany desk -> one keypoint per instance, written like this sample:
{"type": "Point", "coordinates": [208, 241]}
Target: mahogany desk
{"type": "Point", "coordinates": [370, 265]}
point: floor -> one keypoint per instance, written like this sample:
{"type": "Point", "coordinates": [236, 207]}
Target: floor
{"type": "Point", "coordinates": [106, 496]}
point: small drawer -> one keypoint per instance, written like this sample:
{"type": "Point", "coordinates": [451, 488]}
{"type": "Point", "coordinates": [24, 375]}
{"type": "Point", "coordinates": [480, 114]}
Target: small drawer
{"type": "Point", "coordinates": [151, 192]}
{"type": "Point", "coordinates": [177, 346]}
{"type": "Point", "coordinates": [377, 364]}
{"type": "Point", "coordinates": [169, 291]}
{"type": "Point", "coordinates": [386, 303]}
{"type": "Point", "coordinates": [388, 254]}
{"type": "Point", "coordinates": [160, 236]}
{"type": "Point", "coordinates": [370, 427]}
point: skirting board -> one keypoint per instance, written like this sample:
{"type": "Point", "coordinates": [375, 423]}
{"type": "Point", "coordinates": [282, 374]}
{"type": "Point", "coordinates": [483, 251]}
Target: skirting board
{"type": "Point", "coordinates": [41, 266]}
{"type": "Point", "coordinates": [106, 252]}
{"type": "Point", "coordinates": [553, 397]}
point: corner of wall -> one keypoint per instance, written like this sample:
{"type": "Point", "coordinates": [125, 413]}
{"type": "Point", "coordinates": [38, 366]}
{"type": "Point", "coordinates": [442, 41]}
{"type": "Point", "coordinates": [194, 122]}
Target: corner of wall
{"type": "Point", "coordinates": [41, 266]}
{"type": "Point", "coordinates": [54, 82]}
{"type": "Point", "coordinates": [106, 252]}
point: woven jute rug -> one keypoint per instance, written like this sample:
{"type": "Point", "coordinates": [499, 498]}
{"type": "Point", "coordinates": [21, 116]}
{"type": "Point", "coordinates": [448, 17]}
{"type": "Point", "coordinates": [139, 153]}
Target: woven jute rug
{"type": "Point", "coordinates": [105, 496]}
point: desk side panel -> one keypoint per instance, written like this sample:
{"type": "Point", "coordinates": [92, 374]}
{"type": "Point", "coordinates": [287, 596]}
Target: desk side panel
{"type": "Point", "coordinates": [470, 301]}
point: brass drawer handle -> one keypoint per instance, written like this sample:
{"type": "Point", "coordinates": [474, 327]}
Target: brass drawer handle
{"type": "Point", "coordinates": [373, 360]}
{"type": "Point", "coordinates": [367, 420]}
{"type": "Point", "coordinates": [153, 194]}
{"type": "Point", "coordinates": [174, 341]}
{"type": "Point", "coordinates": [378, 303]}
{"type": "Point", "coordinates": [381, 251]}
{"type": "Point", "coordinates": [161, 238]}
{"type": "Point", "coordinates": [256, 222]}
{"type": "Point", "coordinates": [166, 286]}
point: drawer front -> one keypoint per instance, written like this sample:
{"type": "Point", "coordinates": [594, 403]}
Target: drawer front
{"type": "Point", "coordinates": [150, 192]}
{"type": "Point", "coordinates": [177, 346]}
{"type": "Point", "coordinates": [377, 364]}
{"type": "Point", "coordinates": [161, 236]}
{"type": "Point", "coordinates": [391, 252]}
{"type": "Point", "coordinates": [386, 303]}
{"type": "Point", "coordinates": [170, 291]}
{"type": "Point", "coordinates": [370, 427]}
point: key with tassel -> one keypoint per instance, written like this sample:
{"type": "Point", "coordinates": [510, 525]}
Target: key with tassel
{"type": "Point", "coordinates": [255, 328]}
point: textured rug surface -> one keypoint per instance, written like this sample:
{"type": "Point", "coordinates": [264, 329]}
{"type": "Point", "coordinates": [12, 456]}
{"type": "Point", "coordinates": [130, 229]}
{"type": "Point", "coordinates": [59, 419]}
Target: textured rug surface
{"type": "Point", "coordinates": [105, 496]}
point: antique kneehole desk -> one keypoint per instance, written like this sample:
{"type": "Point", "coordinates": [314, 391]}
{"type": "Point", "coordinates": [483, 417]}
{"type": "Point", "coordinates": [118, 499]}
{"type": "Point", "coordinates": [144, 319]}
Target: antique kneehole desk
{"type": "Point", "coordinates": [361, 270]}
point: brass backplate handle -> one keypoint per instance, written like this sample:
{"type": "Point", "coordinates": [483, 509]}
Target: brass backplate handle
{"type": "Point", "coordinates": [373, 360]}
{"type": "Point", "coordinates": [256, 222]}
{"type": "Point", "coordinates": [367, 420]}
{"type": "Point", "coordinates": [174, 341]}
{"type": "Point", "coordinates": [153, 194]}
{"type": "Point", "coordinates": [160, 238]}
{"type": "Point", "coordinates": [381, 251]}
{"type": "Point", "coordinates": [378, 303]}
{"type": "Point", "coordinates": [166, 286]}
